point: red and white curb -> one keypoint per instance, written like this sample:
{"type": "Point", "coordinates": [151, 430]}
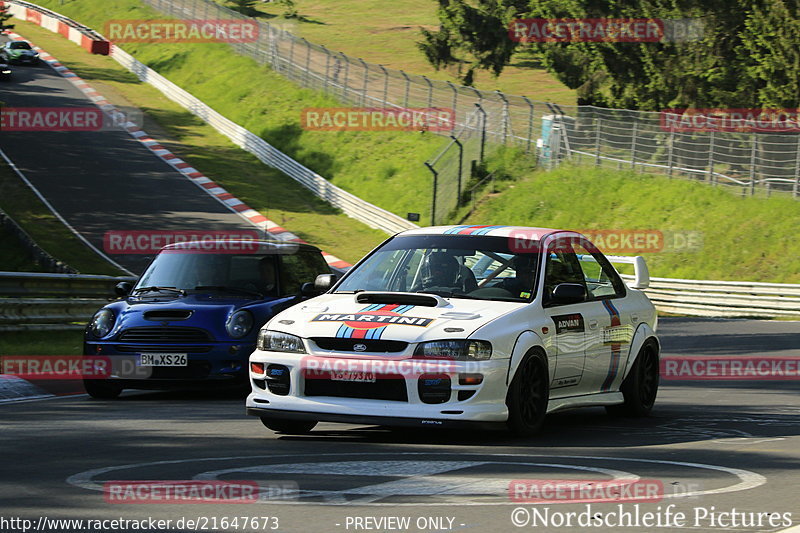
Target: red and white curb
{"type": "Point", "coordinates": [227, 199]}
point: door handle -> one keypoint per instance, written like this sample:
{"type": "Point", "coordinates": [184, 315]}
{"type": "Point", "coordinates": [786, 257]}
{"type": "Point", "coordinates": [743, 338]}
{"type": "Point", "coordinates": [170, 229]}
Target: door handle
{"type": "Point", "coordinates": [593, 324]}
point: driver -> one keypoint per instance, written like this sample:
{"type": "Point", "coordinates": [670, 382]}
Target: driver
{"type": "Point", "coordinates": [521, 284]}
{"type": "Point", "coordinates": [440, 270]}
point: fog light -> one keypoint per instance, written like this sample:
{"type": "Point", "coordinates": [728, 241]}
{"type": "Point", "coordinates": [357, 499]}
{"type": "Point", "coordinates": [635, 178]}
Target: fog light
{"type": "Point", "coordinates": [257, 368]}
{"type": "Point", "coordinates": [470, 379]}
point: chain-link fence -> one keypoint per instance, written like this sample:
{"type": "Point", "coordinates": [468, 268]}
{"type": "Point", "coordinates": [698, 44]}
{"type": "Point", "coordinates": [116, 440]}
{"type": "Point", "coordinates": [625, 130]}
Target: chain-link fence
{"type": "Point", "coordinates": [454, 166]}
{"type": "Point", "coordinates": [623, 138]}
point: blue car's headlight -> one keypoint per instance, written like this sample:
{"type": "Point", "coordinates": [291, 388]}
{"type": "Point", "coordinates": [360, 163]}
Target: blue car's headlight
{"type": "Point", "coordinates": [275, 341]}
{"type": "Point", "coordinates": [239, 324]}
{"type": "Point", "coordinates": [102, 323]}
{"type": "Point", "coordinates": [456, 350]}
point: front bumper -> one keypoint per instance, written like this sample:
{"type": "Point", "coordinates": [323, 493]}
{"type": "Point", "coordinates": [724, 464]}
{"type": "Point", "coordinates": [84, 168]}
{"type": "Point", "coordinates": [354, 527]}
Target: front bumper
{"type": "Point", "coordinates": [218, 362]}
{"type": "Point", "coordinates": [467, 404]}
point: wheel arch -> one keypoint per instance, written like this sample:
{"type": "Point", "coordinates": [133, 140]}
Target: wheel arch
{"type": "Point", "coordinates": [528, 342]}
{"type": "Point", "coordinates": [644, 334]}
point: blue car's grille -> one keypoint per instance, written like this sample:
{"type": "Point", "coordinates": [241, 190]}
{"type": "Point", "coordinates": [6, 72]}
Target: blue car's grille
{"type": "Point", "coordinates": [161, 348]}
{"type": "Point", "coordinates": [158, 335]}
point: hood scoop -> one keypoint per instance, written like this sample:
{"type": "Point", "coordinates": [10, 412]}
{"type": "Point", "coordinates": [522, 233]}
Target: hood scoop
{"type": "Point", "coordinates": [401, 298]}
{"type": "Point", "coordinates": [167, 315]}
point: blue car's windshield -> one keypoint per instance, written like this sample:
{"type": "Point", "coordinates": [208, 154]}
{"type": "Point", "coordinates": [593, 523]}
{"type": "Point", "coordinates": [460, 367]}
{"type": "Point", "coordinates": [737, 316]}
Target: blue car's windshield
{"type": "Point", "coordinates": [453, 266]}
{"type": "Point", "coordinates": [236, 273]}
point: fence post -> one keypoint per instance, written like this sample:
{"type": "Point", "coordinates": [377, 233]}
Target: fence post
{"type": "Point", "coordinates": [483, 129]}
{"type": "Point", "coordinates": [711, 157]}
{"type": "Point", "coordinates": [365, 87]}
{"type": "Point", "coordinates": [433, 200]}
{"type": "Point", "coordinates": [346, 75]}
{"type": "Point", "coordinates": [455, 101]}
{"type": "Point", "coordinates": [327, 68]}
{"type": "Point", "coordinates": [385, 85]}
{"type": "Point", "coordinates": [530, 123]}
{"type": "Point", "coordinates": [290, 63]}
{"type": "Point", "coordinates": [633, 146]}
{"type": "Point", "coordinates": [460, 167]}
{"type": "Point", "coordinates": [505, 115]}
{"type": "Point", "coordinates": [669, 152]}
{"type": "Point", "coordinates": [753, 165]}
{"type": "Point", "coordinates": [598, 124]}
{"type": "Point", "coordinates": [796, 186]}
{"type": "Point", "coordinates": [308, 62]}
{"type": "Point", "coordinates": [430, 91]}
{"type": "Point", "coordinates": [408, 86]}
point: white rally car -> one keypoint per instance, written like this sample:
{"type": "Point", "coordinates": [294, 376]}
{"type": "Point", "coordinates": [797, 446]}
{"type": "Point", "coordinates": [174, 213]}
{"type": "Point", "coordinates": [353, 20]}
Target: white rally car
{"type": "Point", "coordinates": [489, 326]}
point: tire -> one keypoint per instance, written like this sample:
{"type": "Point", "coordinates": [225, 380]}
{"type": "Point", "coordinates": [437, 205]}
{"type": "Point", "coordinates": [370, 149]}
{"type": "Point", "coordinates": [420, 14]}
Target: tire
{"type": "Point", "coordinates": [640, 387]}
{"type": "Point", "coordinates": [100, 389]}
{"type": "Point", "coordinates": [528, 396]}
{"type": "Point", "coordinates": [288, 427]}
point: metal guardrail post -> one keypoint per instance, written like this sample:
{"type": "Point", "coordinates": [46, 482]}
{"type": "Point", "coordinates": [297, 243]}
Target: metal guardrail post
{"type": "Point", "coordinates": [483, 129]}
{"type": "Point", "coordinates": [633, 146]}
{"type": "Point", "coordinates": [430, 91]}
{"type": "Point", "coordinates": [530, 124]}
{"type": "Point", "coordinates": [308, 63]}
{"type": "Point", "coordinates": [433, 199]}
{"type": "Point", "coordinates": [455, 100]}
{"type": "Point", "coordinates": [385, 85]}
{"type": "Point", "coordinates": [504, 117]}
{"type": "Point", "coordinates": [598, 124]}
{"type": "Point", "coordinates": [365, 87]}
{"type": "Point", "coordinates": [669, 153]}
{"type": "Point", "coordinates": [346, 75]}
{"type": "Point", "coordinates": [711, 157]}
{"type": "Point", "coordinates": [408, 87]}
{"type": "Point", "coordinates": [460, 167]}
{"type": "Point", "coordinates": [327, 68]}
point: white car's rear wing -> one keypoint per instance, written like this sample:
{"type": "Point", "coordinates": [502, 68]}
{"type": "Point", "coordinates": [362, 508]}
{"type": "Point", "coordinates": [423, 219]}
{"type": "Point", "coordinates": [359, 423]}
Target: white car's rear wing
{"type": "Point", "coordinates": [641, 273]}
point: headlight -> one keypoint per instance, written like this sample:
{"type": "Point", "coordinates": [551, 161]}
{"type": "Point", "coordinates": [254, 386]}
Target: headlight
{"type": "Point", "coordinates": [460, 350]}
{"type": "Point", "coordinates": [239, 324]}
{"type": "Point", "coordinates": [275, 341]}
{"type": "Point", "coordinates": [102, 322]}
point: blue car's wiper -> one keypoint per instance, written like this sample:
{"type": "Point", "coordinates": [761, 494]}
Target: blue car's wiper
{"type": "Point", "coordinates": [158, 289]}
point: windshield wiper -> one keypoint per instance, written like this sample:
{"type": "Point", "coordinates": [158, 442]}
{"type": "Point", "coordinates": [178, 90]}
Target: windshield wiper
{"type": "Point", "coordinates": [158, 289]}
{"type": "Point", "coordinates": [228, 289]}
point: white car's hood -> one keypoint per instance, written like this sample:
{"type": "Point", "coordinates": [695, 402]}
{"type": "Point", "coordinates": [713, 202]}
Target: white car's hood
{"type": "Point", "coordinates": [340, 315]}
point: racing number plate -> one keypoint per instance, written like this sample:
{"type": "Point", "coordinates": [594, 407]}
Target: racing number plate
{"type": "Point", "coordinates": [356, 377]}
{"type": "Point", "coordinates": [163, 359]}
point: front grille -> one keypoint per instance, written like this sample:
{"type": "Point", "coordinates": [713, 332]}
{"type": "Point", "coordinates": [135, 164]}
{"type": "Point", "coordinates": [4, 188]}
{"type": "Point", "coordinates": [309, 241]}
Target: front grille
{"type": "Point", "coordinates": [194, 370]}
{"type": "Point", "coordinates": [390, 388]}
{"type": "Point", "coordinates": [348, 345]}
{"type": "Point", "coordinates": [278, 379]}
{"type": "Point", "coordinates": [169, 348]}
{"type": "Point", "coordinates": [434, 388]}
{"type": "Point", "coordinates": [157, 335]}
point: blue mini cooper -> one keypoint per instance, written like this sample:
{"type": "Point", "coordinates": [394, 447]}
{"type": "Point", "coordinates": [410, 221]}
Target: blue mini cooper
{"type": "Point", "coordinates": [193, 317]}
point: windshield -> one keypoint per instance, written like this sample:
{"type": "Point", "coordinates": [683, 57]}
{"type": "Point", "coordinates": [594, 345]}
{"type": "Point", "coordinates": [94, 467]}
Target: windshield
{"type": "Point", "coordinates": [20, 46]}
{"type": "Point", "coordinates": [453, 266]}
{"type": "Point", "coordinates": [253, 274]}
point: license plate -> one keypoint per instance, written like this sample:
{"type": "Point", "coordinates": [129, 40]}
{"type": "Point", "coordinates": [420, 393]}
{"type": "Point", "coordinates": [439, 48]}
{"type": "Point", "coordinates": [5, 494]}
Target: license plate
{"type": "Point", "coordinates": [163, 359]}
{"type": "Point", "coordinates": [356, 377]}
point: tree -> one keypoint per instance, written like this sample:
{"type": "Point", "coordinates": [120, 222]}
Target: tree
{"type": "Point", "coordinates": [747, 55]}
{"type": "Point", "coordinates": [4, 17]}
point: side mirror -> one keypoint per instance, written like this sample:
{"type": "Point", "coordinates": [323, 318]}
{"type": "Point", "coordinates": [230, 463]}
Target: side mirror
{"type": "Point", "coordinates": [568, 293]}
{"type": "Point", "coordinates": [324, 282]}
{"type": "Point", "coordinates": [307, 290]}
{"type": "Point", "coordinates": [123, 288]}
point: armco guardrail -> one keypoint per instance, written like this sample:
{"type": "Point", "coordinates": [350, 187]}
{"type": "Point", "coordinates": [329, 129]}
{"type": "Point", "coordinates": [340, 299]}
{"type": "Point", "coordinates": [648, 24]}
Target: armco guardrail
{"type": "Point", "coordinates": [74, 31]}
{"type": "Point", "coordinates": [52, 301]}
{"type": "Point", "coordinates": [724, 298]}
{"type": "Point", "coordinates": [350, 204]}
